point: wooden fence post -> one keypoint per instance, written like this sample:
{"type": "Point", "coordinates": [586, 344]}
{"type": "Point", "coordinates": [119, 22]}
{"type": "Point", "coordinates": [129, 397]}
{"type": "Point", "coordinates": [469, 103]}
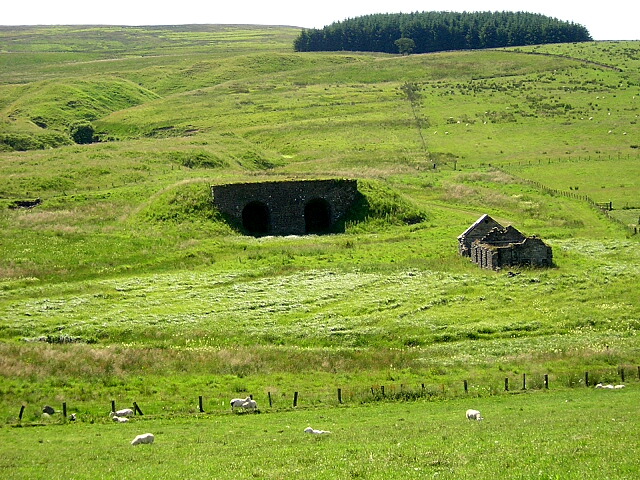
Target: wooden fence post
{"type": "Point", "coordinates": [136, 409]}
{"type": "Point", "coordinates": [506, 384]}
{"type": "Point", "coordinates": [64, 410]}
{"type": "Point", "coordinates": [622, 374]}
{"type": "Point", "coordinates": [200, 404]}
{"type": "Point", "coordinates": [546, 381]}
{"type": "Point", "coordinates": [586, 379]}
{"type": "Point", "coordinates": [466, 387]}
{"type": "Point", "coordinates": [382, 389]}
{"type": "Point", "coordinates": [113, 406]}
{"type": "Point", "coordinates": [339, 395]}
{"type": "Point", "coordinates": [524, 381]}
{"type": "Point", "coordinates": [270, 402]}
{"type": "Point", "coordinates": [21, 412]}
{"type": "Point", "coordinates": [295, 399]}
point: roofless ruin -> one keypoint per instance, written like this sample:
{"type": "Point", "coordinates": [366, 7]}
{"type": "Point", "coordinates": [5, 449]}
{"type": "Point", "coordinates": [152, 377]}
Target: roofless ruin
{"type": "Point", "coordinates": [493, 246]}
{"type": "Point", "coordinates": [287, 207]}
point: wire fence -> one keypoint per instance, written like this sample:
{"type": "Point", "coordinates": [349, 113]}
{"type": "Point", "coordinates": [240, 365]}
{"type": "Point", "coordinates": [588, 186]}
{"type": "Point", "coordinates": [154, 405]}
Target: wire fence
{"type": "Point", "coordinates": [604, 208]}
{"type": "Point", "coordinates": [274, 400]}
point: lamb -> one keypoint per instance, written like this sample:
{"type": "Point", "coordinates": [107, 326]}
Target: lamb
{"type": "Point", "coordinates": [145, 438]}
{"type": "Point", "coordinates": [474, 415]}
{"type": "Point", "coordinates": [125, 412]}
{"type": "Point", "coordinates": [313, 431]}
{"type": "Point", "coordinates": [250, 404]}
{"type": "Point", "coordinates": [240, 403]}
{"type": "Point", "coordinates": [115, 418]}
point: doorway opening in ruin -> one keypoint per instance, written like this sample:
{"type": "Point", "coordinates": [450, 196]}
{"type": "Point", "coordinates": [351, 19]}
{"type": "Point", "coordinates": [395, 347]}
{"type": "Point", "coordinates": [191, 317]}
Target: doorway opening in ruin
{"type": "Point", "coordinates": [256, 219]}
{"type": "Point", "coordinates": [317, 216]}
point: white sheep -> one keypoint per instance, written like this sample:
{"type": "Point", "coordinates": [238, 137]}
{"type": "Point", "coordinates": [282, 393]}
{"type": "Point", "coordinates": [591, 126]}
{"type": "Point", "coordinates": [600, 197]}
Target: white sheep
{"type": "Point", "coordinates": [125, 412]}
{"type": "Point", "coordinates": [250, 404]}
{"type": "Point", "coordinates": [618, 387]}
{"type": "Point", "coordinates": [607, 387]}
{"type": "Point", "coordinates": [147, 438]}
{"type": "Point", "coordinates": [313, 431]}
{"type": "Point", "coordinates": [118, 419]}
{"type": "Point", "coordinates": [238, 402]}
{"type": "Point", "coordinates": [244, 403]}
{"type": "Point", "coordinates": [474, 415]}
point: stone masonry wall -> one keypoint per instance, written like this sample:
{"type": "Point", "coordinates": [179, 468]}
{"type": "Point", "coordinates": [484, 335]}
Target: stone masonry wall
{"type": "Point", "coordinates": [531, 251]}
{"type": "Point", "coordinates": [286, 207]}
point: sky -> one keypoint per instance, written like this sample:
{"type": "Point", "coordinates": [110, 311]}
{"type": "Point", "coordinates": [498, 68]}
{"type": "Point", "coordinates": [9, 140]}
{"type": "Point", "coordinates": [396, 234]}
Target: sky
{"type": "Point", "coordinates": [610, 20]}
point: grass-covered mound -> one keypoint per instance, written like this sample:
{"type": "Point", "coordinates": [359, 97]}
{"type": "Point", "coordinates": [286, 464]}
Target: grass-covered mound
{"type": "Point", "coordinates": [190, 202]}
{"type": "Point", "coordinates": [52, 107]}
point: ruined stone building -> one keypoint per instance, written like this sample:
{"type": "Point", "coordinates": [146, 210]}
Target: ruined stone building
{"type": "Point", "coordinates": [286, 207]}
{"type": "Point", "coordinates": [493, 246]}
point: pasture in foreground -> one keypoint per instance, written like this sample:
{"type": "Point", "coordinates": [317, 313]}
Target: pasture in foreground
{"type": "Point", "coordinates": [565, 434]}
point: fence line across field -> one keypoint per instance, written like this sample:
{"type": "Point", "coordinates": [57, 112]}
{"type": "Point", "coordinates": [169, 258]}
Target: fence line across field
{"type": "Point", "coordinates": [397, 392]}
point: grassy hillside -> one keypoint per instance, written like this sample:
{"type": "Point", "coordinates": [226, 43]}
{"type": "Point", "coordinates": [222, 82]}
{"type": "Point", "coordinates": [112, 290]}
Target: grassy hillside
{"type": "Point", "coordinates": [126, 283]}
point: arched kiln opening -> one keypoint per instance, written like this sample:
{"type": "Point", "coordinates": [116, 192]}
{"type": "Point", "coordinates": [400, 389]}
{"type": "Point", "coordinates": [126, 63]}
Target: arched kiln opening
{"type": "Point", "coordinates": [256, 219]}
{"type": "Point", "coordinates": [317, 216]}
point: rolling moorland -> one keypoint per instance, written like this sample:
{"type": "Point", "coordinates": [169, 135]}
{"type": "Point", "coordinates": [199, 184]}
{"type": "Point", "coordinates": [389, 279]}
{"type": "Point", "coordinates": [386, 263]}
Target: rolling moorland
{"type": "Point", "coordinates": [126, 284]}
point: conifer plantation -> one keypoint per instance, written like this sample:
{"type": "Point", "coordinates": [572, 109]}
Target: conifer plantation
{"type": "Point", "coordinates": [440, 31]}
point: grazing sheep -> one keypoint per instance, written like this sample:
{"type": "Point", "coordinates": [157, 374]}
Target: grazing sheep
{"type": "Point", "coordinates": [240, 402]}
{"type": "Point", "coordinates": [618, 387]}
{"type": "Point", "coordinates": [125, 412]}
{"type": "Point", "coordinates": [145, 438]}
{"type": "Point", "coordinates": [474, 415]}
{"type": "Point", "coordinates": [115, 418]}
{"type": "Point", "coordinates": [48, 410]}
{"type": "Point", "coordinates": [313, 431]}
{"type": "Point", "coordinates": [72, 417]}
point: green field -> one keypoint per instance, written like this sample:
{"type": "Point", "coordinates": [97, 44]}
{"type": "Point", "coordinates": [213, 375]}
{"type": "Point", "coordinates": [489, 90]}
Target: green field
{"type": "Point", "coordinates": [126, 284]}
{"type": "Point", "coordinates": [570, 435]}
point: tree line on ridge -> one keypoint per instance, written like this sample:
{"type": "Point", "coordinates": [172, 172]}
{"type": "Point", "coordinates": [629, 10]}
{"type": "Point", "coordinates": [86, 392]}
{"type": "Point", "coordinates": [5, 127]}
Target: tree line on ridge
{"type": "Point", "coordinates": [424, 32]}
